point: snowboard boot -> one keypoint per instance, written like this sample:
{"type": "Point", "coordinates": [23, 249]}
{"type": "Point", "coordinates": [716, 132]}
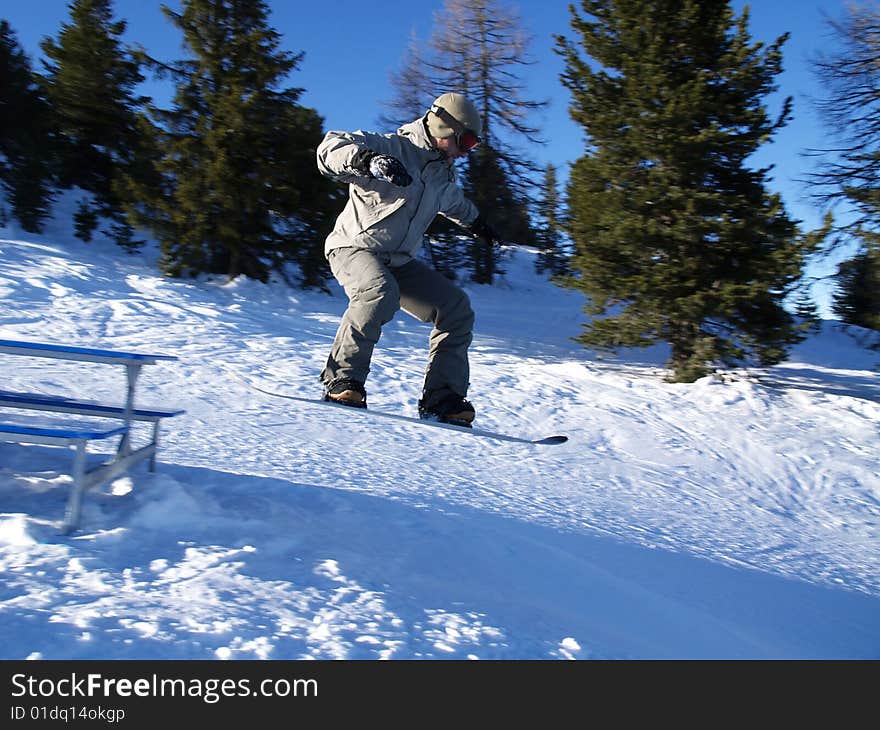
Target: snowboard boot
{"type": "Point", "coordinates": [446, 408]}
{"type": "Point", "coordinates": [346, 392]}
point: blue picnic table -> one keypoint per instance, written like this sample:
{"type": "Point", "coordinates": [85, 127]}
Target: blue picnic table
{"type": "Point", "coordinates": [47, 418]}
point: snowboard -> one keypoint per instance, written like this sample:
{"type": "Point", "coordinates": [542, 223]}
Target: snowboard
{"type": "Point", "coordinates": [371, 412]}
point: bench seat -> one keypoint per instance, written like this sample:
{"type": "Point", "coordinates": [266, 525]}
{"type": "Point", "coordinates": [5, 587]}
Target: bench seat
{"type": "Point", "coordinates": [60, 404]}
{"type": "Point", "coordinates": [52, 420]}
{"type": "Point", "coordinates": [60, 432]}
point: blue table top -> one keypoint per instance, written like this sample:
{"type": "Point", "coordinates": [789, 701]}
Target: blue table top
{"type": "Point", "coordinates": [15, 347]}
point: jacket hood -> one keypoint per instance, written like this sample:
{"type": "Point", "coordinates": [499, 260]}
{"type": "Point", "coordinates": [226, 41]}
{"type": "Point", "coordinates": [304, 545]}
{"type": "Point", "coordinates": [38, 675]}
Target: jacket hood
{"type": "Point", "coordinates": [417, 133]}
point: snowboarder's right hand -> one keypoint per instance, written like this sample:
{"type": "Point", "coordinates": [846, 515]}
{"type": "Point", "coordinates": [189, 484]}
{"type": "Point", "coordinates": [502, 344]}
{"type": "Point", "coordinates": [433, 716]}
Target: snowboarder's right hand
{"type": "Point", "coordinates": [481, 229]}
{"type": "Point", "coordinates": [389, 169]}
{"type": "Point", "coordinates": [381, 167]}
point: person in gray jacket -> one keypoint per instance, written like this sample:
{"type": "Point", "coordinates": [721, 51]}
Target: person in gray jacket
{"type": "Point", "coordinates": [397, 184]}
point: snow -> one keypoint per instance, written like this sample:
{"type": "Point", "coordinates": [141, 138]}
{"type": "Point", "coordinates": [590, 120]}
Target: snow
{"type": "Point", "coordinates": [734, 519]}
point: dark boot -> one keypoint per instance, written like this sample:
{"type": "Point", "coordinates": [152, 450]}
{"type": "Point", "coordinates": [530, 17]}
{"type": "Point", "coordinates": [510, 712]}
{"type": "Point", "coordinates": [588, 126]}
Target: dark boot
{"type": "Point", "coordinates": [446, 407]}
{"type": "Point", "coordinates": [346, 392]}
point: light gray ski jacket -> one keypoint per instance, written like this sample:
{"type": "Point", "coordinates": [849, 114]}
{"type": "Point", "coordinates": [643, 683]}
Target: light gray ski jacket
{"type": "Point", "coordinates": [384, 217]}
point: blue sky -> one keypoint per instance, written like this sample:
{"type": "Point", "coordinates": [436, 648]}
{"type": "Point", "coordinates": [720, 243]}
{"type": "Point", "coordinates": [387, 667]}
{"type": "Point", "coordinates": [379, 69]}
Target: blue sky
{"type": "Point", "coordinates": [352, 46]}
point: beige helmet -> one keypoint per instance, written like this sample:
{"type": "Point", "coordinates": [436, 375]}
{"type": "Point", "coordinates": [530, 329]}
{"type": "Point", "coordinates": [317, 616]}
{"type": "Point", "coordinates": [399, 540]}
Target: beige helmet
{"type": "Point", "coordinates": [453, 114]}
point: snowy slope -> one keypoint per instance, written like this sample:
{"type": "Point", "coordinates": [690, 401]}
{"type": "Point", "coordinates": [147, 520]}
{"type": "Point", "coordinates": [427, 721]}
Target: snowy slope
{"type": "Point", "coordinates": [735, 520]}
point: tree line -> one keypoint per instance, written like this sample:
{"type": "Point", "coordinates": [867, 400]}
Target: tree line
{"type": "Point", "coordinates": [224, 179]}
{"type": "Point", "coordinates": [664, 226]}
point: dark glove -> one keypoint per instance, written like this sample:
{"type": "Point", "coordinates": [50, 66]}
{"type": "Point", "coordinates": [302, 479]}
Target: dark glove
{"type": "Point", "coordinates": [481, 229]}
{"type": "Point", "coordinates": [380, 167]}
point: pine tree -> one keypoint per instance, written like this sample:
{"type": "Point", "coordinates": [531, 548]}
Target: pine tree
{"type": "Point", "coordinates": [807, 310]}
{"type": "Point", "coordinates": [26, 140]}
{"type": "Point", "coordinates": [487, 183]}
{"type": "Point", "coordinates": [848, 177]}
{"type": "Point", "coordinates": [551, 258]}
{"type": "Point", "coordinates": [676, 239]}
{"type": "Point", "coordinates": [857, 300]}
{"type": "Point", "coordinates": [90, 81]}
{"type": "Point", "coordinates": [476, 49]}
{"type": "Point", "coordinates": [237, 190]}
{"type": "Point", "coordinates": [849, 171]}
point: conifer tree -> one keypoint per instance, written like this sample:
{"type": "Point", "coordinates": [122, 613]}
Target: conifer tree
{"type": "Point", "coordinates": [476, 49]}
{"type": "Point", "coordinates": [857, 300]}
{"type": "Point", "coordinates": [551, 258]}
{"type": "Point", "coordinates": [238, 191]}
{"type": "Point", "coordinates": [90, 82]}
{"type": "Point", "coordinates": [25, 137]}
{"type": "Point", "coordinates": [676, 238]}
{"type": "Point", "coordinates": [807, 310]}
{"type": "Point", "coordinates": [848, 177]}
{"type": "Point", "coordinates": [849, 170]}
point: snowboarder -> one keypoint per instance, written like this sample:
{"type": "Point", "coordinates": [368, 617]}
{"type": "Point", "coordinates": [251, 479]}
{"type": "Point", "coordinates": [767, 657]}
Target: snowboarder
{"type": "Point", "coordinates": [397, 184]}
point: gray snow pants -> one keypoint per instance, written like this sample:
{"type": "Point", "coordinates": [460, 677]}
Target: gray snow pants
{"type": "Point", "coordinates": [376, 291]}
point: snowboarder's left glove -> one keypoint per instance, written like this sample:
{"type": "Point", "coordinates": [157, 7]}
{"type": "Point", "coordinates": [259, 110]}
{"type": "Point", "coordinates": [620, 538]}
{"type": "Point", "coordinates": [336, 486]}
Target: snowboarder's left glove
{"type": "Point", "coordinates": [481, 229]}
{"type": "Point", "coordinates": [381, 167]}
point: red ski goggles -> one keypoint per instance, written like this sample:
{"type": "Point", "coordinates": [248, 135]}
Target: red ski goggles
{"type": "Point", "coordinates": [466, 140]}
